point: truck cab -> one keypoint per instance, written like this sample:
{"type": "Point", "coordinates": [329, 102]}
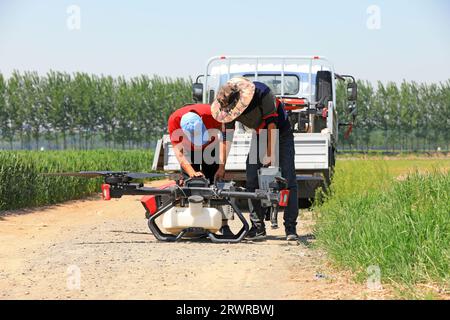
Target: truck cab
{"type": "Point", "coordinates": [307, 88]}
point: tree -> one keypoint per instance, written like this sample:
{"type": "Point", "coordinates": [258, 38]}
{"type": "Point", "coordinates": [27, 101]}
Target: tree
{"type": "Point", "coordinates": [81, 110]}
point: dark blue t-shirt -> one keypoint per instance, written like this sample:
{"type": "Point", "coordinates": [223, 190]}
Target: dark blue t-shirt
{"type": "Point", "coordinates": [261, 90]}
{"type": "Point", "coordinates": [259, 113]}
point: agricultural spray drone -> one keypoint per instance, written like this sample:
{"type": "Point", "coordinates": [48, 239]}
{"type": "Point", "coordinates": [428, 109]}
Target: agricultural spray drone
{"type": "Point", "coordinates": [190, 208]}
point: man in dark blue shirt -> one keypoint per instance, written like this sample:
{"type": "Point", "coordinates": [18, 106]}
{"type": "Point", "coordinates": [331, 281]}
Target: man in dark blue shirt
{"type": "Point", "coordinates": [254, 105]}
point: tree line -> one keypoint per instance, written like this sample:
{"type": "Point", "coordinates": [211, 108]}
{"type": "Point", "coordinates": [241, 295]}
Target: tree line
{"type": "Point", "coordinates": [83, 111]}
{"type": "Point", "coordinates": [408, 116]}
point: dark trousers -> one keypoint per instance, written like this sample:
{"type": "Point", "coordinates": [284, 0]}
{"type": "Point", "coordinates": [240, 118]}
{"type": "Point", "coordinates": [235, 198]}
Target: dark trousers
{"type": "Point", "coordinates": [287, 165]}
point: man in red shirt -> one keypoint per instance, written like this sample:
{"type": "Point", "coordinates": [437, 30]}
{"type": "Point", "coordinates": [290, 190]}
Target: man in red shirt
{"type": "Point", "coordinates": [194, 134]}
{"type": "Point", "coordinates": [192, 129]}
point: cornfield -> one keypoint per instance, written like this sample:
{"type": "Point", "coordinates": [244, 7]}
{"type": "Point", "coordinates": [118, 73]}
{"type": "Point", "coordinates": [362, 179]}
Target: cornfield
{"type": "Point", "coordinates": [79, 111]}
{"type": "Point", "coordinates": [22, 184]}
{"type": "Point", "coordinates": [399, 117]}
{"type": "Point", "coordinates": [82, 111]}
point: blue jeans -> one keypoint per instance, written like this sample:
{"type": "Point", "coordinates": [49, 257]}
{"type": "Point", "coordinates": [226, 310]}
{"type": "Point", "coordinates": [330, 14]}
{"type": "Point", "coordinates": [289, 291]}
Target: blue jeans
{"type": "Point", "coordinates": [287, 165]}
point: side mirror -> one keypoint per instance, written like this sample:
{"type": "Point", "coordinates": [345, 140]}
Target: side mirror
{"type": "Point", "coordinates": [352, 91]}
{"type": "Point", "coordinates": [197, 92]}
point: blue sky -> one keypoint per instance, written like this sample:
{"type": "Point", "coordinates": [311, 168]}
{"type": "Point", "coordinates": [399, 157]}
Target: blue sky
{"type": "Point", "coordinates": [175, 38]}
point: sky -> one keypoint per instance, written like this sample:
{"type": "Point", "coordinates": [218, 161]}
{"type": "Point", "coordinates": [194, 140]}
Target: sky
{"type": "Point", "coordinates": [372, 40]}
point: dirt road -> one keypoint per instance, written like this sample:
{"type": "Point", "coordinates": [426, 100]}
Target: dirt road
{"type": "Point", "coordinates": [109, 245]}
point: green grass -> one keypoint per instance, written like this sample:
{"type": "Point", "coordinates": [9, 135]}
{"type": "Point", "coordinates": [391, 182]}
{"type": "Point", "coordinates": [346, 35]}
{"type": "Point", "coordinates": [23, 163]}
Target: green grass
{"type": "Point", "coordinates": [23, 186]}
{"type": "Point", "coordinates": [393, 214]}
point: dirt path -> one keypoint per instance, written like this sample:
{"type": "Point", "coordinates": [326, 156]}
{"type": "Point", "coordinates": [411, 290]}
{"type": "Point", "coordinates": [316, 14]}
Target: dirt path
{"type": "Point", "coordinates": [109, 243]}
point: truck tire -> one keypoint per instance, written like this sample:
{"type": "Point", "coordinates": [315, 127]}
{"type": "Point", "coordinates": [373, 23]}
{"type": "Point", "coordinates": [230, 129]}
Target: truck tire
{"type": "Point", "coordinates": [328, 175]}
{"type": "Point", "coordinates": [305, 203]}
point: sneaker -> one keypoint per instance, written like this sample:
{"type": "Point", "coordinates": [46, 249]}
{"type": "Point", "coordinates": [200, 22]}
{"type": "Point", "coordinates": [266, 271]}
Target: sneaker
{"type": "Point", "coordinates": [256, 234]}
{"type": "Point", "coordinates": [226, 231]}
{"type": "Point", "coordinates": [292, 237]}
{"type": "Point", "coordinates": [291, 234]}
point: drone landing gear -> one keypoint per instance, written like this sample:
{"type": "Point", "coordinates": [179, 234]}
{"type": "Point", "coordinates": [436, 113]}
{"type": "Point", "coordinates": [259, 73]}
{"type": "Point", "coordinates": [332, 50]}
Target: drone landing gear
{"type": "Point", "coordinates": [272, 216]}
{"type": "Point", "coordinates": [197, 231]}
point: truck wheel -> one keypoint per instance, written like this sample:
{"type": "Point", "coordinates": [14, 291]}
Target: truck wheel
{"type": "Point", "coordinates": [332, 162]}
{"type": "Point", "coordinates": [305, 203]}
{"type": "Point", "coordinates": [328, 174]}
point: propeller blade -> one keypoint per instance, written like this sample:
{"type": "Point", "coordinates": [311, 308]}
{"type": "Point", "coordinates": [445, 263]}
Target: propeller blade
{"type": "Point", "coordinates": [84, 174]}
{"type": "Point", "coordinates": [139, 175]}
{"type": "Point", "coordinates": [131, 175]}
{"type": "Point", "coordinates": [104, 173]}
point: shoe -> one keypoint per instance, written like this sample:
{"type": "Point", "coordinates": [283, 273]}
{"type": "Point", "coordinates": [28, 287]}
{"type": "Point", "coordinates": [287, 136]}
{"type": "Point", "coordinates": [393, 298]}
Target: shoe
{"type": "Point", "coordinates": [256, 234]}
{"type": "Point", "coordinates": [292, 237]}
{"type": "Point", "coordinates": [226, 231]}
{"type": "Point", "coordinates": [291, 234]}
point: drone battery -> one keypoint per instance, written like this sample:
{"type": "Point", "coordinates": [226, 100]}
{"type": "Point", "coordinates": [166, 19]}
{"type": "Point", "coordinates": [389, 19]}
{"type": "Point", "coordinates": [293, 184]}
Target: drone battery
{"type": "Point", "coordinates": [226, 211]}
{"type": "Point", "coordinates": [265, 177]}
{"type": "Point", "coordinates": [153, 203]}
{"type": "Point", "coordinates": [150, 204]}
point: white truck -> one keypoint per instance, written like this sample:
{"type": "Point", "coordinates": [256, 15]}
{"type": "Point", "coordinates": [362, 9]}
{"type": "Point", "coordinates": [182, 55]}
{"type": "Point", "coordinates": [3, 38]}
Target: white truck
{"type": "Point", "coordinates": [307, 87]}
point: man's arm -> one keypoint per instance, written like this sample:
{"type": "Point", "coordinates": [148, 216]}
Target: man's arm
{"type": "Point", "coordinates": [270, 116]}
{"type": "Point", "coordinates": [271, 143]}
{"type": "Point", "coordinates": [224, 150]}
{"type": "Point", "coordinates": [184, 163]}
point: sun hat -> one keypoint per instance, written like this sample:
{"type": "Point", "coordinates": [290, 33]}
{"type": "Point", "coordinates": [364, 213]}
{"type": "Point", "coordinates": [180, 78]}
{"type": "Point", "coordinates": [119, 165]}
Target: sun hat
{"type": "Point", "coordinates": [232, 99]}
{"type": "Point", "coordinates": [194, 129]}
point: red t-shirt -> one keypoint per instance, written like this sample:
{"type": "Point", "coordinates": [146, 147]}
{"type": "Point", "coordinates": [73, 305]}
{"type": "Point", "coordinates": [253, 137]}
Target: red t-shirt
{"type": "Point", "coordinates": [203, 110]}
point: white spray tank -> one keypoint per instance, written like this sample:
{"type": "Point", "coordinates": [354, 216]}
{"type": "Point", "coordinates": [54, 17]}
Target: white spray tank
{"type": "Point", "coordinates": [179, 218]}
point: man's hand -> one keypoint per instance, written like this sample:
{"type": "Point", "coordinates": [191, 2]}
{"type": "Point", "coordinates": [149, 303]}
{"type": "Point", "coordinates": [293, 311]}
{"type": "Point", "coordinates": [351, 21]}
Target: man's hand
{"type": "Point", "coordinates": [220, 173]}
{"type": "Point", "coordinates": [196, 174]}
{"type": "Point", "coordinates": [184, 163]}
{"type": "Point", "coordinates": [267, 161]}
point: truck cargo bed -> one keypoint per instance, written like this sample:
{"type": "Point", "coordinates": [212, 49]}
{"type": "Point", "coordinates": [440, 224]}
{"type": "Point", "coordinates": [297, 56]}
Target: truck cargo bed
{"type": "Point", "coordinates": [311, 153]}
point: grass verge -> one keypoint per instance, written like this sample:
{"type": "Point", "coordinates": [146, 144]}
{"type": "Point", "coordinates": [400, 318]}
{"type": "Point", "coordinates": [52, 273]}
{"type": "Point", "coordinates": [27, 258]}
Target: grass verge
{"type": "Point", "coordinates": [390, 214]}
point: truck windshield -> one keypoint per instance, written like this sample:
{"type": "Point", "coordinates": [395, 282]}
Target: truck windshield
{"type": "Point", "coordinates": [273, 81]}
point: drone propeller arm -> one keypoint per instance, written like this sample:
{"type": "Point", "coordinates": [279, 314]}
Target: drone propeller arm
{"type": "Point", "coordinates": [118, 184]}
{"type": "Point", "coordinates": [117, 191]}
{"type": "Point", "coordinates": [131, 189]}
